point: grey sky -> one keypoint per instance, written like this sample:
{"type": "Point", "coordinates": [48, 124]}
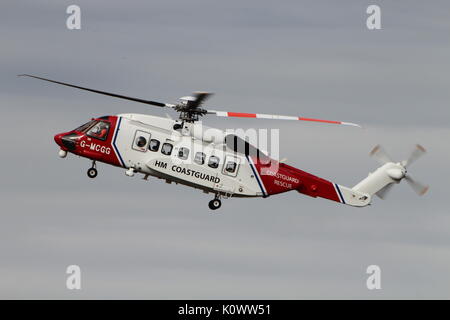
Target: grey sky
{"type": "Point", "coordinates": [137, 239]}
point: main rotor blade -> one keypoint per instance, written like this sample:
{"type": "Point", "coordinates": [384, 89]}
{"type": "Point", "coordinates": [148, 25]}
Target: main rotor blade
{"type": "Point", "coordinates": [275, 117]}
{"type": "Point", "coordinates": [153, 103]}
{"type": "Point", "coordinates": [380, 155]}
{"type": "Point", "coordinates": [418, 187]}
{"type": "Point", "coordinates": [418, 152]}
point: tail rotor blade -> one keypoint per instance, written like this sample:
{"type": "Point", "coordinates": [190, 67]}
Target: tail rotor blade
{"type": "Point", "coordinates": [380, 155]}
{"type": "Point", "coordinates": [418, 187]}
{"type": "Point", "coordinates": [418, 152]}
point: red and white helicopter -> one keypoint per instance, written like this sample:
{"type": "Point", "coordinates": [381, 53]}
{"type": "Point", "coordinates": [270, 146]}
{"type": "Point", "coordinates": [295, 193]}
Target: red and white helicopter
{"type": "Point", "coordinates": [183, 151]}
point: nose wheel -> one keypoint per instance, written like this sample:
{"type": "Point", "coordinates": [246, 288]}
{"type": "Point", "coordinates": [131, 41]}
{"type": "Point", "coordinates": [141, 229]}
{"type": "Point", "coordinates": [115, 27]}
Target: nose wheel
{"type": "Point", "coordinates": [92, 172]}
{"type": "Point", "coordinates": [215, 203]}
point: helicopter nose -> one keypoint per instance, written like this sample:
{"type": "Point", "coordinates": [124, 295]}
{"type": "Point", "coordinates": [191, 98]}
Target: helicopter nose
{"type": "Point", "coordinates": [58, 139]}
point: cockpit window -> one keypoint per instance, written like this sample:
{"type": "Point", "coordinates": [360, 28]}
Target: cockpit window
{"type": "Point", "coordinates": [99, 130]}
{"type": "Point", "coordinates": [85, 126]}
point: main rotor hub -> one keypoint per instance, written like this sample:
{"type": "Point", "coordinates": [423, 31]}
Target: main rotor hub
{"type": "Point", "coordinates": [190, 115]}
{"type": "Point", "coordinates": [189, 107]}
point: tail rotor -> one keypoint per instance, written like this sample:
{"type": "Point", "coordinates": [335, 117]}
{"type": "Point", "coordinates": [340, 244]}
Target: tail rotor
{"type": "Point", "coordinates": [397, 171]}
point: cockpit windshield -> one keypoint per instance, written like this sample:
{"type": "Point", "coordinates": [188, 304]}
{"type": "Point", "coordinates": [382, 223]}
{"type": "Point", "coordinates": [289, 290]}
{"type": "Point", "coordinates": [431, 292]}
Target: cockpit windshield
{"type": "Point", "coordinates": [85, 126]}
{"type": "Point", "coordinates": [99, 130]}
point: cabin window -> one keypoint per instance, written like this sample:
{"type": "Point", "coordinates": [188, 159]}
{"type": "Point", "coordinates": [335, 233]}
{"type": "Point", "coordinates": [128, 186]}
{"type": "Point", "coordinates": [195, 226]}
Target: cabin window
{"type": "Point", "coordinates": [141, 141]}
{"type": "Point", "coordinates": [183, 153]}
{"type": "Point", "coordinates": [213, 162]}
{"type": "Point", "coordinates": [231, 167]}
{"type": "Point", "coordinates": [166, 149]}
{"type": "Point", "coordinates": [200, 158]}
{"type": "Point", "coordinates": [99, 130]}
{"type": "Point", "coordinates": [153, 145]}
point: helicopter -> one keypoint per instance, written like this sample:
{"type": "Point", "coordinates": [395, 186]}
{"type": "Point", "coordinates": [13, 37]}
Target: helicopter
{"type": "Point", "coordinates": [185, 152]}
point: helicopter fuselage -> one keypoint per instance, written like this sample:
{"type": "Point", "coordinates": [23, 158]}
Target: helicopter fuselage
{"type": "Point", "coordinates": [178, 152]}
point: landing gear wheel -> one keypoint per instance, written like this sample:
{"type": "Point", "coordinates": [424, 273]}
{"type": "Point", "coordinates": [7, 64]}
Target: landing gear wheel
{"type": "Point", "coordinates": [215, 204]}
{"type": "Point", "coordinates": [92, 173]}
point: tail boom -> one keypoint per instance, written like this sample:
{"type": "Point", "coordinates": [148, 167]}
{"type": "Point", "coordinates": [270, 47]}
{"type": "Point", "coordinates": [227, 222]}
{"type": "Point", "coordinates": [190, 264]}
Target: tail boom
{"type": "Point", "coordinates": [287, 178]}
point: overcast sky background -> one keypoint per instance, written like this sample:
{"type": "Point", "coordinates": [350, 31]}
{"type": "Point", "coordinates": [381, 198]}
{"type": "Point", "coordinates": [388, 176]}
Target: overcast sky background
{"type": "Point", "coordinates": [138, 239]}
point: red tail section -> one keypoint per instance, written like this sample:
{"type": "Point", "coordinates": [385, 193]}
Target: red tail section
{"type": "Point", "coordinates": [279, 177]}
